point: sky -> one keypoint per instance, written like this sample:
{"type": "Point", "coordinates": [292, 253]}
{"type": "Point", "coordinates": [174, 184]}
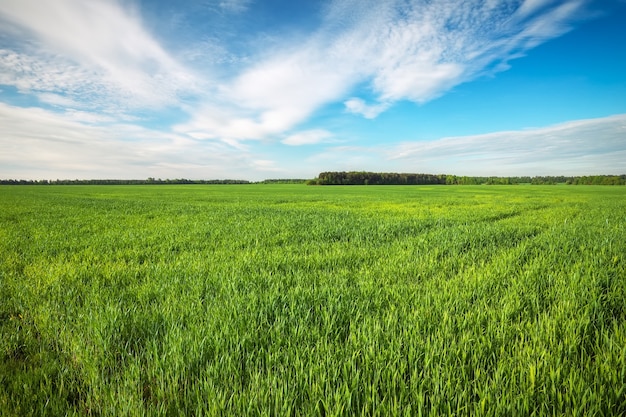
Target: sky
{"type": "Point", "coordinates": [259, 89]}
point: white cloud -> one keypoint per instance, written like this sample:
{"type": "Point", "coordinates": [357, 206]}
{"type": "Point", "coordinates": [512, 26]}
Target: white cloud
{"type": "Point", "coordinates": [529, 7]}
{"type": "Point", "coordinates": [286, 89]}
{"type": "Point", "coordinates": [225, 124]}
{"type": "Point", "coordinates": [358, 106]}
{"type": "Point", "coordinates": [418, 50]}
{"type": "Point", "coordinates": [90, 47]}
{"type": "Point", "coordinates": [308, 137]}
{"type": "Point", "coordinates": [57, 100]}
{"type": "Point", "coordinates": [577, 147]}
{"type": "Point", "coordinates": [272, 96]}
{"type": "Point", "coordinates": [45, 72]}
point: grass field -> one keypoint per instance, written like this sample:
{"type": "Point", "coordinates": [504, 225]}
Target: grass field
{"type": "Point", "coordinates": [292, 300]}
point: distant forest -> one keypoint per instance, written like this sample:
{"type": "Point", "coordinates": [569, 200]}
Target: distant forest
{"type": "Point", "coordinates": [355, 178]}
{"type": "Point", "coordinates": [390, 178]}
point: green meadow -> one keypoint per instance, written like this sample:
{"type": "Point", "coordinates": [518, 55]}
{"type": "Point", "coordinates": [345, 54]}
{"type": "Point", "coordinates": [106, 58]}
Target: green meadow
{"type": "Point", "coordinates": [294, 300]}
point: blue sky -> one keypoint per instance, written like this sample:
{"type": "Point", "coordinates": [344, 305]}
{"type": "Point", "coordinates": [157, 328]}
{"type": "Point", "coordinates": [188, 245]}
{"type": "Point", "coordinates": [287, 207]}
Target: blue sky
{"type": "Point", "coordinates": [255, 89]}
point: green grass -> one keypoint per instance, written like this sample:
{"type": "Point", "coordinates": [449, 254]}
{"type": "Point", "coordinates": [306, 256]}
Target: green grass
{"type": "Point", "coordinates": [294, 300]}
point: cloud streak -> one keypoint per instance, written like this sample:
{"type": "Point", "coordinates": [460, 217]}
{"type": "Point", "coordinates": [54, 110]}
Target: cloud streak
{"type": "Point", "coordinates": [575, 147]}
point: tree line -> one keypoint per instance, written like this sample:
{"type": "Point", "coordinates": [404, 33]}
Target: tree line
{"type": "Point", "coordinates": [391, 178]}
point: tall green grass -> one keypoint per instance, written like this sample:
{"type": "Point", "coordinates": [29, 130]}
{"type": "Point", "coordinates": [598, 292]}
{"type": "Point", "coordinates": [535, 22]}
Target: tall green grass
{"type": "Point", "coordinates": [294, 300]}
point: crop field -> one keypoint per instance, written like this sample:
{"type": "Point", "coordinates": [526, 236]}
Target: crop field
{"type": "Point", "coordinates": [288, 300]}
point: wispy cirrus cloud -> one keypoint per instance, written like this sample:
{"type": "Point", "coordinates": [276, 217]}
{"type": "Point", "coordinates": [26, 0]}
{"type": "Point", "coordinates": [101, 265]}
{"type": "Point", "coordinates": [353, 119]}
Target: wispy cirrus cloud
{"type": "Point", "coordinates": [419, 50]}
{"type": "Point", "coordinates": [90, 49]}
